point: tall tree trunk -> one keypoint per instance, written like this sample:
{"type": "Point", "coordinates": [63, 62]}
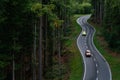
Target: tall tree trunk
{"type": "Point", "coordinates": [40, 50]}
{"type": "Point", "coordinates": [22, 63]}
{"type": "Point", "coordinates": [13, 61]}
{"type": "Point", "coordinates": [100, 12]}
{"type": "Point", "coordinates": [46, 29]}
{"type": "Point", "coordinates": [95, 11]}
{"type": "Point", "coordinates": [59, 52]}
{"type": "Point", "coordinates": [13, 74]}
{"type": "Point", "coordinates": [59, 42]}
{"type": "Point", "coordinates": [34, 53]}
{"type": "Point", "coordinates": [53, 49]}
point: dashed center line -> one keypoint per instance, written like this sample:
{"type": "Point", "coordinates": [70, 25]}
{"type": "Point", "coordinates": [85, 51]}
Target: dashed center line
{"type": "Point", "coordinates": [96, 65]}
{"type": "Point", "coordinates": [97, 78]}
{"type": "Point", "coordinates": [97, 71]}
{"type": "Point", "coordinates": [94, 59]}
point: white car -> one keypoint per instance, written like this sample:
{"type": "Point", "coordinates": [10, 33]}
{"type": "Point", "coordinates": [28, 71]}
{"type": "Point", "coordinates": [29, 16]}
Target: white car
{"type": "Point", "coordinates": [83, 33]}
{"type": "Point", "coordinates": [87, 53]}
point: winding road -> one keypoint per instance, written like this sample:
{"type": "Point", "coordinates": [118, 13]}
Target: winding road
{"type": "Point", "coordinates": [95, 67]}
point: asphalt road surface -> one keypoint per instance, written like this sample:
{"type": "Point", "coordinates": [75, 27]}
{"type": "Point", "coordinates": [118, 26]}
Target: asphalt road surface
{"type": "Point", "coordinates": [95, 67]}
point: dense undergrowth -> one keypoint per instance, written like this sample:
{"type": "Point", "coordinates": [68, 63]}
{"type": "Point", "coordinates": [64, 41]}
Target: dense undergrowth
{"type": "Point", "coordinates": [75, 60]}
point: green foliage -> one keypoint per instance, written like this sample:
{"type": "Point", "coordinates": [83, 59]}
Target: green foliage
{"type": "Point", "coordinates": [48, 8]}
{"type": "Point", "coordinates": [111, 27]}
{"type": "Point", "coordinates": [82, 8]}
{"type": "Point", "coordinates": [107, 12]}
{"type": "Point", "coordinates": [56, 72]}
{"type": "Point", "coordinates": [17, 20]}
{"type": "Point", "coordinates": [75, 60]}
{"type": "Point", "coordinates": [15, 32]}
{"type": "Point", "coordinates": [36, 8]}
{"type": "Point", "coordinates": [86, 8]}
{"type": "Point", "coordinates": [3, 64]}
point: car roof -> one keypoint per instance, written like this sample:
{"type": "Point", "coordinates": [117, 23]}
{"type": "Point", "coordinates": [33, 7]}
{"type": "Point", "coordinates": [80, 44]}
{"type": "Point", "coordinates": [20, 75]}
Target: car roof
{"type": "Point", "coordinates": [87, 50]}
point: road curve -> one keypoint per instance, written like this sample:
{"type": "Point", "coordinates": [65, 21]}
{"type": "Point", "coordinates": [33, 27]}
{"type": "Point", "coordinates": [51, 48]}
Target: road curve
{"type": "Point", "coordinates": [95, 67]}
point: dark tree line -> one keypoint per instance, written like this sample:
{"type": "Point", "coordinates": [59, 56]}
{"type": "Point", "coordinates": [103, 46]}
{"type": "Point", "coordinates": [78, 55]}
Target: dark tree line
{"type": "Point", "coordinates": [32, 36]}
{"type": "Point", "coordinates": [107, 13]}
{"type": "Point", "coordinates": [98, 10]}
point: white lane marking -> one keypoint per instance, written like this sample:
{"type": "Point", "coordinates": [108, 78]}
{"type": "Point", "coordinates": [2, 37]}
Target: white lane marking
{"type": "Point", "coordinates": [97, 78]}
{"type": "Point", "coordinates": [81, 52]}
{"type": "Point", "coordinates": [92, 55]}
{"type": "Point", "coordinates": [83, 58]}
{"type": "Point", "coordinates": [96, 65]}
{"type": "Point", "coordinates": [94, 59]}
{"type": "Point", "coordinates": [97, 71]}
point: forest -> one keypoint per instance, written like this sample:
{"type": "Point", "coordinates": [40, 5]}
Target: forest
{"type": "Point", "coordinates": [107, 13]}
{"type": "Point", "coordinates": [34, 33]}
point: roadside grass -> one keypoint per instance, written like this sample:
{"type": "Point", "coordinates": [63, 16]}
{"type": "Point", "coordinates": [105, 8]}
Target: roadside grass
{"type": "Point", "coordinates": [112, 59]}
{"type": "Point", "coordinates": [75, 59]}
